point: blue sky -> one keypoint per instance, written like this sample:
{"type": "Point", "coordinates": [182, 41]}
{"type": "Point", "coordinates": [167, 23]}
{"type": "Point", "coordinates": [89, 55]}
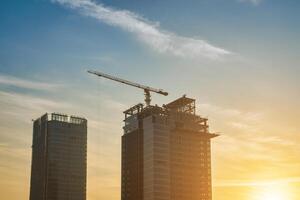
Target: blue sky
{"type": "Point", "coordinates": [238, 58]}
{"type": "Point", "coordinates": [49, 28]}
{"type": "Point", "coordinates": [41, 37]}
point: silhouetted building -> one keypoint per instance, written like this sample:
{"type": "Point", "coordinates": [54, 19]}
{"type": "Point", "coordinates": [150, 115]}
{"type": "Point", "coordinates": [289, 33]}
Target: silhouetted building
{"type": "Point", "coordinates": [166, 153]}
{"type": "Point", "coordinates": [59, 148]}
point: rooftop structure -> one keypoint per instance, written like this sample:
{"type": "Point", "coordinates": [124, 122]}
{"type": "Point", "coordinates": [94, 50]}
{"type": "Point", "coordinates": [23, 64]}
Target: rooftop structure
{"type": "Point", "coordinates": [65, 118]}
{"type": "Point", "coordinates": [166, 153]}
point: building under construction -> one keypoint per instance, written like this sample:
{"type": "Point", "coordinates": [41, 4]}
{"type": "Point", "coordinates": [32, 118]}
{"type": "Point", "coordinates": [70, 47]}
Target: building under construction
{"type": "Point", "coordinates": [166, 153]}
{"type": "Point", "coordinates": [165, 150]}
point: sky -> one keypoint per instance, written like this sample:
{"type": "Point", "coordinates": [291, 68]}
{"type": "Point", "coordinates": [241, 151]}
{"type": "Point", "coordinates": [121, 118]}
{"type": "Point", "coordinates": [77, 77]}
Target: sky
{"type": "Point", "coordinates": [237, 58]}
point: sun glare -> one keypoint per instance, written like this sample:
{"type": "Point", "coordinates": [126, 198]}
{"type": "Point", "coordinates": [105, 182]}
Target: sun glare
{"type": "Point", "coordinates": [272, 196]}
{"type": "Point", "coordinates": [272, 192]}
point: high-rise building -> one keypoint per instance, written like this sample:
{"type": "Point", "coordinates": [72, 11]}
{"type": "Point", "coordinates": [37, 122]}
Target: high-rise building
{"type": "Point", "coordinates": [59, 148]}
{"type": "Point", "coordinates": [166, 153]}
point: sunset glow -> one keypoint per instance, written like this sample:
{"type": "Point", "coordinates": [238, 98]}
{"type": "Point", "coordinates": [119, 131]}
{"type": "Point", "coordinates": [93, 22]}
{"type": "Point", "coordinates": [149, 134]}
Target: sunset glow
{"type": "Point", "coordinates": [239, 59]}
{"type": "Point", "coordinates": [272, 192]}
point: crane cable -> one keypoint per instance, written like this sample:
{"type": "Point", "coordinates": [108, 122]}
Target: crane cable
{"type": "Point", "coordinates": [99, 125]}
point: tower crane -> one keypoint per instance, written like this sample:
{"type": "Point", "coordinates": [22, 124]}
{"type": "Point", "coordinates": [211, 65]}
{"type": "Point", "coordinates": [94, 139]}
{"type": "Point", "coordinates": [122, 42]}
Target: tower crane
{"type": "Point", "coordinates": [146, 89]}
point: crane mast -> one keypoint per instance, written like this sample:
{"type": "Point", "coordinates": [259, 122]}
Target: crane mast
{"type": "Point", "coordinates": [146, 89]}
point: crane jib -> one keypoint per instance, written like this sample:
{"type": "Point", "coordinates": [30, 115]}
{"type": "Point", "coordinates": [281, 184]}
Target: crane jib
{"type": "Point", "coordinates": [146, 89]}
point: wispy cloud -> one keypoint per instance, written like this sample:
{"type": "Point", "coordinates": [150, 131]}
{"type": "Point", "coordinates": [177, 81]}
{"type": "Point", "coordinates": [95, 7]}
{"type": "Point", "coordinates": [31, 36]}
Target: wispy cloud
{"type": "Point", "coordinates": [236, 183]}
{"type": "Point", "coordinates": [23, 83]}
{"type": "Point", "coordinates": [27, 101]}
{"type": "Point", "coordinates": [254, 2]}
{"type": "Point", "coordinates": [229, 112]}
{"type": "Point", "coordinates": [23, 107]}
{"type": "Point", "coordinates": [148, 32]}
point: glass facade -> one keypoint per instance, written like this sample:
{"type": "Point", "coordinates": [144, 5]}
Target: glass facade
{"type": "Point", "coordinates": [59, 158]}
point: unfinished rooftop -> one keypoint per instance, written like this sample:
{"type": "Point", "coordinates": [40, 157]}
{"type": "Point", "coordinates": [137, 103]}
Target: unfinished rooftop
{"type": "Point", "coordinates": [181, 110]}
